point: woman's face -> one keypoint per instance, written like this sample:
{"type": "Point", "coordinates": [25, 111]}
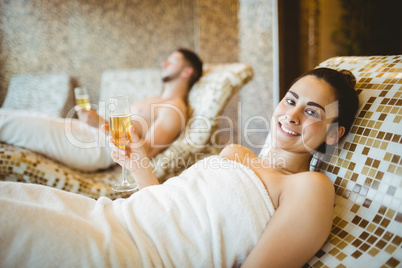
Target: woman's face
{"type": "Point", "coordinates": [302, 119]}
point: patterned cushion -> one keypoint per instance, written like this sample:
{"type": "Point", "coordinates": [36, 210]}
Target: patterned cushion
{"type": "Point", "coordinates": [207, 100]}
{"type": "Point", "coordinates": [42, 92]}
{"type": "Point", "coordinates": [21, 165]}
{"type": "Point", "coordinates": [366, 170]}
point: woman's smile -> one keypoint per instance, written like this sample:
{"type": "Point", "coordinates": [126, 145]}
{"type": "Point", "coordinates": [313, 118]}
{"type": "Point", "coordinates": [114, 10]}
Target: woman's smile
{"type": "Point", "coordinates": [287, 131]}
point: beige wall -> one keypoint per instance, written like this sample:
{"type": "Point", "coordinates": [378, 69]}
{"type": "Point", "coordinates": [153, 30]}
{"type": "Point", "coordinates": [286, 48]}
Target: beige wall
{"type": "Point", "coordinates": [84, 38]}
{"type": "Point", "coordinates": [329, 18]}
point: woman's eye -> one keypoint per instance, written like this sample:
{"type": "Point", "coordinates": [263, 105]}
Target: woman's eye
{"type": "Point", "coordinates": [313, 113]}
{"type": "Point", "coordinates": [290, 101]}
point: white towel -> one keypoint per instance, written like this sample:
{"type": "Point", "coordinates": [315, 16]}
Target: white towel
{"type": "Point", "coordinates": [210, 216]}
{"type": "Point", "coordinates": [69, 141]}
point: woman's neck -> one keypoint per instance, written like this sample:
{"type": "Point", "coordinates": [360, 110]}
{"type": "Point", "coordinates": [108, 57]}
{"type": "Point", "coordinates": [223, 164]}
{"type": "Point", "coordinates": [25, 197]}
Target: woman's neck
{"type": "Point", "coordinates": [287, 162]}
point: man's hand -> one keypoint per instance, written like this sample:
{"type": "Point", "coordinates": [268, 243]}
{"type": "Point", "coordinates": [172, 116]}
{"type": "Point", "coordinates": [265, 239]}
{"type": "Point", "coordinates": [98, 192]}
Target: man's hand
{"type": "Point", "coordinates": [90, 117]}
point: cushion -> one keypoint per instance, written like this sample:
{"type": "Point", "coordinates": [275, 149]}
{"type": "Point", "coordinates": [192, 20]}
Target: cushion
{"type": "Point", "coordinates": [49, 93]}
{"type": "Point", "coordinates": [207, 99]}
{"type": "Point", "coordinates": [137, 84]}
{"type": "Point", "coordinates": [23, 165]}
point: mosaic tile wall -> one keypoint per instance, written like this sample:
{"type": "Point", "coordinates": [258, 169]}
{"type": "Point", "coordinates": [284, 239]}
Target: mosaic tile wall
{"type": "Point", "coordinates": [366, 169]}
{"type": "Point", "coordinates": [84, 38]}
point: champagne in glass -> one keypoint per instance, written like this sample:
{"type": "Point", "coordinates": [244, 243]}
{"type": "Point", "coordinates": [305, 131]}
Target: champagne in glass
{"type": "Point", "coordinates": [82, 98]}
{"type": "Point", "coordinates": [120, 122]}
{"type": "Point", "coordinates": [119, 125]}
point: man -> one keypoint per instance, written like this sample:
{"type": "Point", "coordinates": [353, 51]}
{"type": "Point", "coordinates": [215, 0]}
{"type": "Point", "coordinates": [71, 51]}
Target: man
{"type": "Point", "coordinates": [75, 143]}
{"type": "Point", "coordinates": [162, 118]}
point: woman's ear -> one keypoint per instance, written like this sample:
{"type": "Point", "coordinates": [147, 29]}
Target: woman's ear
{"type": "Point", "coordinates": [334, 134]}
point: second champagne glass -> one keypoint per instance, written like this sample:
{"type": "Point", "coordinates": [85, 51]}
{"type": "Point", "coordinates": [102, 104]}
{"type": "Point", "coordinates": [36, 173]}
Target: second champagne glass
{"type": "Point", "coordinates": [82, 98]}
{"type": "Point", "coordinates": [120, 121]}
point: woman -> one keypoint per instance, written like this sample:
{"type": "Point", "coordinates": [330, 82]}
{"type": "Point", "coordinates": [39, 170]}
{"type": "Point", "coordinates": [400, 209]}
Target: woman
{"type": "Point", "coordinates": [228, 210]}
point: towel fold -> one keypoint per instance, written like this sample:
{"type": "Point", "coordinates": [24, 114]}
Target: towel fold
{"type": "Point", "coordinates": [212, 215]}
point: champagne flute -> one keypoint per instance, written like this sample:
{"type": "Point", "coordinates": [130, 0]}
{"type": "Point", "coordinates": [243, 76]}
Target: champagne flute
{"type": "Point", "coordinates": [82, 98]}
{"type": "Point", "coordinates": [120, 121]}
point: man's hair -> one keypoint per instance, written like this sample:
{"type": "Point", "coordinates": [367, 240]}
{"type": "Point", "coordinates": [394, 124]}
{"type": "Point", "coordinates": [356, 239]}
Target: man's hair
{"type": "Point", "coordinates": [195, 62]}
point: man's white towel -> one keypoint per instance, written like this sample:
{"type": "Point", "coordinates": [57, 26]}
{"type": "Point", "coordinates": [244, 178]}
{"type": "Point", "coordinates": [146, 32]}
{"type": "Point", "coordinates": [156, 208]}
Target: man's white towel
{"type": "Point", "coordinates": [210, 216]}
{"type": "Point", "coordinates": [67, 140]}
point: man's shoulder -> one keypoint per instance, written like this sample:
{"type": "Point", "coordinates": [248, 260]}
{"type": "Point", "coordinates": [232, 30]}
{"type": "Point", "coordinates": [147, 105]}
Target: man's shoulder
{"type": "Point", "coordinates": [177, 103]}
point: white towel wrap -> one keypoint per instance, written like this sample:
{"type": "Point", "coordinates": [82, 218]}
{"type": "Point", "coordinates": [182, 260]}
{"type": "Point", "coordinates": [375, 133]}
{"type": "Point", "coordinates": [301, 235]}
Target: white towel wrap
{"type": "Point", "coordinates": [210, 216]}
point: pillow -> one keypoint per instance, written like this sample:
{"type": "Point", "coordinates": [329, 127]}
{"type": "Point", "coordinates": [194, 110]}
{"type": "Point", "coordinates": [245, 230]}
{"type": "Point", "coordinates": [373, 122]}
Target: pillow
{"type": "Point", "coordinates": [47, 93]}
{"type": "Point", "coordinates": [137, 84]}
{"type": "Point", "coordinates": [69, 141]}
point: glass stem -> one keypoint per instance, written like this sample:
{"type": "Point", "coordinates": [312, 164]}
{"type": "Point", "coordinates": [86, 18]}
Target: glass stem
{"type": "Point", "coordinates": [124, 182]}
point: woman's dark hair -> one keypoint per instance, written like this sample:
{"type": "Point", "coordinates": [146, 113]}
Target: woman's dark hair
{"type": "Point", "coordinates": [343, 83]}
{"type": "Point", "coordinates": [195, 62]}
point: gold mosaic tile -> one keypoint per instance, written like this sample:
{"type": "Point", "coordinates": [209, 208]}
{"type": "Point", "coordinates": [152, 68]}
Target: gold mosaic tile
{"type": "Point", "coordinates": [368, 178]}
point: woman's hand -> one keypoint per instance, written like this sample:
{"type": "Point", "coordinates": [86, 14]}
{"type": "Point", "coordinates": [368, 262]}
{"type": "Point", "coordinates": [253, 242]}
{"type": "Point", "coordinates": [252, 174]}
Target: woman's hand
{"type": "Point", "coordinates": [133, 155]}
{"type": "Point", "coordinates": [133, 158]}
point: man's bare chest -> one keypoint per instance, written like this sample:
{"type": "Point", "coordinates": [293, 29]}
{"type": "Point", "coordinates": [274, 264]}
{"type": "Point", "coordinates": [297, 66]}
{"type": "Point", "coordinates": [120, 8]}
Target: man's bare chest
{"type": "Point", "coordinates": [147, 109]}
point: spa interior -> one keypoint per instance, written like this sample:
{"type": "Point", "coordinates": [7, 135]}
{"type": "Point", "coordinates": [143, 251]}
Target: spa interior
{"type": "Point", "coordinates": [278, 40]}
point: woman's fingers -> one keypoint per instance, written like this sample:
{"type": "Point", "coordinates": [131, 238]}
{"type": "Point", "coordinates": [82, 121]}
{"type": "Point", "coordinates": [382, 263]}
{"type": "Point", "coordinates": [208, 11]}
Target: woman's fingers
{"type": "Point", "coordinates": [134, 138]}
{"type": "Point", "coordinates": [105, 127]}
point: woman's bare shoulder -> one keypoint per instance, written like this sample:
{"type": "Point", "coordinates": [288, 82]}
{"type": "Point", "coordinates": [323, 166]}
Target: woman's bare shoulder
{"type": "Point", "coordinates": [310, 186]}
{"type": "Point", "coordinates": [313, 178]}
{"type": "Point", "coordinates": [236, 152]}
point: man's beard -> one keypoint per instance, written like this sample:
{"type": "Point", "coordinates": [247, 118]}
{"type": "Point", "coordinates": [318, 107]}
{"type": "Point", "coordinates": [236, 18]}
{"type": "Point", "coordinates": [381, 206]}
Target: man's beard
{"type": "Point", "coordinates": [171, 77]}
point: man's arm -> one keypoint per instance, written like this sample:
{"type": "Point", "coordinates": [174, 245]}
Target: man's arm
{"type": "Point", "coordinates": [90, 117]}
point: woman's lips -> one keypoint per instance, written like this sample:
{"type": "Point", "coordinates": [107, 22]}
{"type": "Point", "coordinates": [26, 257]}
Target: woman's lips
{"type": "Point", "coordinates": [288, 131]}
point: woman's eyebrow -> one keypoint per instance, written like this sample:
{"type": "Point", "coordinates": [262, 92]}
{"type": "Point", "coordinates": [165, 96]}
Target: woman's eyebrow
{"type": "Point", "coordinates": [294, 94]}
{"type": "Point", "coordinates": [311, 103]}
{"type": "Point", "coordinates": [315, 104]}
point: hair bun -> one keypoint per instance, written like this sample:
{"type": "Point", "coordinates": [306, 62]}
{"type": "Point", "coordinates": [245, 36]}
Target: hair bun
{"type": "Point", "coordinates": [349, 77]}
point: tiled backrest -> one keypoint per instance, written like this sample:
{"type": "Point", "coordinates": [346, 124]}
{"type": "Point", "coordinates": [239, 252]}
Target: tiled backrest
{"type": "Point", "coordinates": [41, 92]}
{"type": "Point", "coordinates": [366, 170]}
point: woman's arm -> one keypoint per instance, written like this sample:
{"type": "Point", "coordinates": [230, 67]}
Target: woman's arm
{"type": "Point", "coordinates": [135, 159]}
{"type": "Point", "coordinates": [300, 225]}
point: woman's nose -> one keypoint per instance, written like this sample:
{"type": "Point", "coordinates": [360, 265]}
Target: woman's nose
{"type": "Point", "coordinates": [293, 116]}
